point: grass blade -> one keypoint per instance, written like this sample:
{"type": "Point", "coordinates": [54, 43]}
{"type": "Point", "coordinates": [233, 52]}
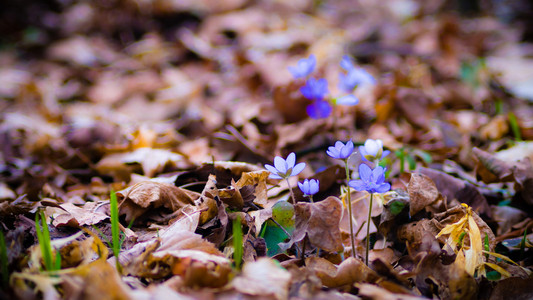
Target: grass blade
{"type": "Point", "coordinates": [4, 261]}
{"type": "Point", "coordinates": [115, 230]}
{"type": "Point", "coordinates": [237, 242]}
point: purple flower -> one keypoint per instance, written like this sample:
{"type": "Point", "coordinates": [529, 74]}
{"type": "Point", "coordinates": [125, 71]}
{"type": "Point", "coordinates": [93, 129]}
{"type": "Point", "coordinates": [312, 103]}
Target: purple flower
{"type": "Point", "coordinates": [304, 67]}
{"type": "Point", "coordinates": [347, 100]}
{"type": "Point", "coordinates": [285, 168]}
{"type": "Point", "coordinates": [319, 109]}
{"type": "Point", "coordinates": [315, 89]}
{"type": "Point", "coordinates": [356, 76]}
{"type": "Point", "coordinates": [372, 150]}
{"type": "Point", "coordinates": [346, 63]}
{"type": "Point", "coordinates": [372, 181]}
{"type": "Point", "coordinates": [340, 150]}
{"type": "Point", "coordinates": [309, 187]}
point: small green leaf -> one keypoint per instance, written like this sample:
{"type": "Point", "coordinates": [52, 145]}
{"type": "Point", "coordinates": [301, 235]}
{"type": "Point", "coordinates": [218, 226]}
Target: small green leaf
{"type": "Point", "coordinates": [493, 275]}
{"type": "Point", "coordinates": [396, 207]}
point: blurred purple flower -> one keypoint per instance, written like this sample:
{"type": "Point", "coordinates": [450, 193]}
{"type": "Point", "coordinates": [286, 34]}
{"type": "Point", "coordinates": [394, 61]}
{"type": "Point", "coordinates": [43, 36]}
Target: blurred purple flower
{"type": "Point", "coordinates": [319, 109]}
{"type": "Point", "coordinates": [309, 187]}
{"type": "Point", "coordinates": [315, 89]}
{"type": "Point", "coordinates": [304, 67]}
{"type": "Point", "coordinates": [285, 168]}
{"type": "Point", "coordinates": [340, 150]}
{"type": "Point", "coordinates": [355, 76]}
{"type": "Point", "coordinates": [372, 181]}
{"type": "Point", "coordinates": [347, 100]}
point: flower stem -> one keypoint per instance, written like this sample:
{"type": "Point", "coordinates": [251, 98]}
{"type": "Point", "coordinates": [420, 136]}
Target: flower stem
{"type": "Point", "coordinates": [311, 198]}
{"type": "Point", "coordinates": [290, 190]}
{"type": "Point", "coordinates": [368, 228]}
{"type": "Point", "coordinates": [352, 240]}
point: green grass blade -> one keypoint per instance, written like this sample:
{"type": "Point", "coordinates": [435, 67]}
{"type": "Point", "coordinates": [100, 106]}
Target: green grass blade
{"type": "Point", "coordinates": [115, 230]}
{"type": "Point", "coordinates": [237, 242]}
{"type": "Point", "coordinates": [4, 261]}
{"type": "Point", "coordinates": [515, 127]}
{"type": "Point", "coordinates": [43, 236]}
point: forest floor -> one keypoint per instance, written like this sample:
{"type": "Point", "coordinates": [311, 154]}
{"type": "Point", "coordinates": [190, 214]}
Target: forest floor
{"type": "Point", "coordinates": [134, 137]}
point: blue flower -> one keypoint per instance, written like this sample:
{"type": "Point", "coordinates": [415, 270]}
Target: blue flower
{"type": "Point", "coordinates": [340, 150]}
{"type": "Point", "coordinates": [372, 181]}
{"type": "Point", "coordinates": [346, 63]}
{"type": "Point", "coordinates": [285, 168]}
{"type": "Point", "coordinates": [347, 100]}
{"type": "Point", "coordinates": [319, 109]}
{"type": "Point", "coordinates": [372, 150]}
{"type": "Point", "coordinates": [356, 76]}
{"type": "Point", "coordinates": [304, 67]}
{"type": "Point", "coordinates": [315, 89]}
{"type": "Point", "coordinates": [309, 187]}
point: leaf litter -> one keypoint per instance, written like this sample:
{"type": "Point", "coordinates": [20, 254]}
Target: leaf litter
{"type": "Point", "coordinates": [178, 106]}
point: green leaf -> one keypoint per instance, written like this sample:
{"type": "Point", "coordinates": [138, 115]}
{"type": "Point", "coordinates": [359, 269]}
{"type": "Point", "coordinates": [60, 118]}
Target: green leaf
{"type": "Point", "coordinates": [493, 275]}
{"type": "Point", "coordinates": [283, 213]}
{"type": "Point", "coordinates": [396, 207]}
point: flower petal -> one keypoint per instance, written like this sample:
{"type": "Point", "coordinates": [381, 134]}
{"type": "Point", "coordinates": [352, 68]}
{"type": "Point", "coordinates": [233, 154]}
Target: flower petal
{"type": "Point", "coordinates": [358, 185]}
{"type": "Point", "coordinates": [274, 176]}
{"type": "Point", "coordinates": [280, 164]}
{"type": "Point", "coordinates": [291, 160]}
{"type": "Point", "coordinates": [271, 169]}
{"type": "Point", "coordinates": [297, 169]}
{"type": "Point", "coordinates": [348, 100]}
{"type": "Point", "coordinates": [314, 186]}
{"type": "Point", "coordinates": [333, 152]}
{"type": "Point", "coordinates": [302, 187]}
{"type": "Point", "coordinates": [365, 172]}
{"type": "Point", "coordinates": [347, 150]}
{"type": "Point", "coordinates": [383, 188]}
{"type": "Point", "coordinates": [363, 153]}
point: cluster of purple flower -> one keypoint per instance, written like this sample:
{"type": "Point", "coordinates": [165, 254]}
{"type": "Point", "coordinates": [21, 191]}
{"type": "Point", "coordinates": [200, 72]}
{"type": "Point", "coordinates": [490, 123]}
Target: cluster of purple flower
{"type": "Point", "coordinates": [316, 90]}
{"type": "Point", "coordinates": [371, 180]}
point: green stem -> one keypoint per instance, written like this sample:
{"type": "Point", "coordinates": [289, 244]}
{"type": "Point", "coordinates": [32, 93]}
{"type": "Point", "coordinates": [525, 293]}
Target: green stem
{"type": "Point", "coordinates": [311, 198]}
{"type": "Point", "coordinates": [290, 190]}
{"type": "Point", "coordinates": [352, 240]}
{"type": "Point", "coordinates": [368, 228]}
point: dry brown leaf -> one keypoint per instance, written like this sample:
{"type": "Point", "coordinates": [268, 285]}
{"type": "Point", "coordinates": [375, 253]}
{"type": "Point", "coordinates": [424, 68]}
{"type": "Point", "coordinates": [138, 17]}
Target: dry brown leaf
{"type": "Point", "coordinates": [265, 278]}
{"type": "Point", "coordinates": [257, 179]}
{"type": "Point", "coordinates": [320, 221]}
{"type": "Point", "coordinates": [374, 292]}
{"type": "Point", "coordinates": [348, 272]}
{"type": "Point", "coordinates": [79, 216]}
{"type": "Point", "coordinates": [422, 192]}
{"type": "Point", "coordinates": [146, 195]}
{"type": "Point", "coordinates": [151, 160]}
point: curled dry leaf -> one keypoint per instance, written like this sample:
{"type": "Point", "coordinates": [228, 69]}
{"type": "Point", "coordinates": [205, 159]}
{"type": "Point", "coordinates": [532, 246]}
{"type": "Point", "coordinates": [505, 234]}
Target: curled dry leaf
{"type": "Point", "coordinates": [374, 292]}
{"type": "Point", "coordinates": [446, 281]}
{"type": "Point", "coordinates": [422, 192]}
{"type": "Point", "coordinates": [207, 203]}
{"type": "Point", "coordinates": [75, 216]}
{"type": "Point", "coordinates": [348, 272]}
{"type": "Point", "coordinates": [455, 188]}
{"type": "Point", "coordinates": [263, 277]}
{"type": "Point", "coordinates": [151, 160]}
{"type": "Point", "coordinates": [491, 169]}
{"type": "Point", "coordinates": [320, 221]}
{"type": "Point", "coordinates": [257, 179]}
{"type": "Point", "coordinates": [146, 195]}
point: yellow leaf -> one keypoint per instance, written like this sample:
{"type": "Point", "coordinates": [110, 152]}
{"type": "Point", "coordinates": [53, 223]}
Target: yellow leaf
{"type": "Point", "coordinates": [499, 269]}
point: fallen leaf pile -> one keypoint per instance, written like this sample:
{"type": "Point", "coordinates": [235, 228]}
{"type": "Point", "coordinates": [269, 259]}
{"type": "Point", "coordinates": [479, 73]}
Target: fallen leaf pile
{"type": "Point", "coordinates": [176, 106]}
